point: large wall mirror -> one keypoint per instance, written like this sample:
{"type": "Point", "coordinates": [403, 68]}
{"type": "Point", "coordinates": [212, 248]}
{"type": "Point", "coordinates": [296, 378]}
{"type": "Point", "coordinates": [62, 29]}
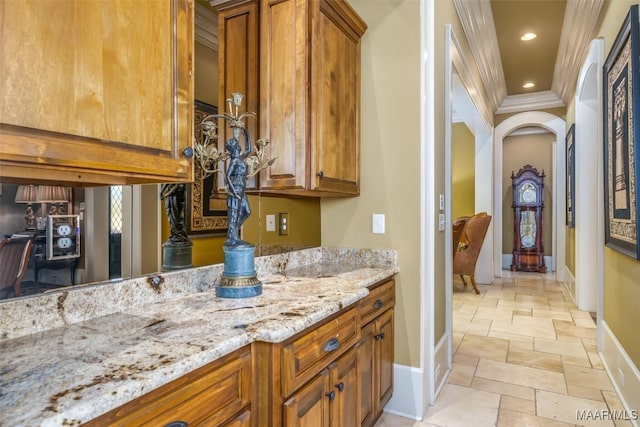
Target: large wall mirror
{"type": "Point", "coordinates": [122, 228]}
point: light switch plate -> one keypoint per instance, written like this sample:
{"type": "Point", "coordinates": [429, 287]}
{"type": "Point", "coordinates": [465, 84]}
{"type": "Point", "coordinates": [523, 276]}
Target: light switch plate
{"type": "Point", "coordinates": [442, 202]}
{"type": "Point", "coordinates": [441, 222]}
{"type": "Point", "coordinates": [377, 223]}
{"type": "Point", "coordinates": [271, 222]}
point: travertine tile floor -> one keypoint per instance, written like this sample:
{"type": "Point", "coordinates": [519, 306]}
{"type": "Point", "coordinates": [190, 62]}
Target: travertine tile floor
{"type": "Point", "coordinates": [523, 356]}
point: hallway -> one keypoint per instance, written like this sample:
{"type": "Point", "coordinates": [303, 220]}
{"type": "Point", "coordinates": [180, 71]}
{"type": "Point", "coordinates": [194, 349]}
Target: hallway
{"type": "Point", "coordinates": [523, 355]}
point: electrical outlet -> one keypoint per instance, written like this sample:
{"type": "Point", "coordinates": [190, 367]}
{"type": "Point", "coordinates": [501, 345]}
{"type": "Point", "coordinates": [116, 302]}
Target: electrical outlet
{"type": "Point", "coordinates": [271, 222]}
{"type": "Point", "coordinates": [441, 222]}
{"type": "Point", "coordinates": [283, 224]}
{"type": "Point", "coordinates": [442, 202]}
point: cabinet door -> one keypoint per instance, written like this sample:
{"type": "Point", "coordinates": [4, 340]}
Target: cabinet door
{"type": "Point", "coordinates": [335, 99]}
{"type": "Point", "coordinates": [238, 59]}
{"type": "Point", "coordinates": [310, 405]}
{"type": "Point", "coordinates": [384, 354]}
{"type": "Point", "coordinates": [366, 361]}
{"type": "Point", "coordinates": [284, 114]}
{"type": "Point", "coordinates": [345, 408]}
{"type": "Point", "coordinates": [96, 92]}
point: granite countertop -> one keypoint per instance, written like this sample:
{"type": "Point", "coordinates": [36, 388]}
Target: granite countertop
{"type": "Point", "coordinates": [71, 374]}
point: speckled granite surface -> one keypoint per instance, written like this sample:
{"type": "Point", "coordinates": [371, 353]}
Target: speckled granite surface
{"type": "Point", "coordinates": [93, 358]}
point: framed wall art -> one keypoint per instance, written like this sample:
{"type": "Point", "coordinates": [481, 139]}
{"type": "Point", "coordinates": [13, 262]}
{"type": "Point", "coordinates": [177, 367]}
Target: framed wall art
{"type": "Point", "coordinates": [621, 131]}
{"type": "Point", "coordinates": [571, 176]}
{"type": "Point", "coordinates": [206, 209]}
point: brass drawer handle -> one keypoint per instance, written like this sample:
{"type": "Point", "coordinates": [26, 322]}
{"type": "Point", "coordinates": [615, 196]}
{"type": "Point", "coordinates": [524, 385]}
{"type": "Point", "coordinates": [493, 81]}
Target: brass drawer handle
{"type": "Point", "coordinates": [331, 345]}
{"type": "Point", "coordinates": [378, 304]}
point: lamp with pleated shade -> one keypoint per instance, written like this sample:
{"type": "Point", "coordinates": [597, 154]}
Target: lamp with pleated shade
{"type": "Point", "coordinates": [53, 194]}
{"type": "Point", "coordinates": [27, 194]}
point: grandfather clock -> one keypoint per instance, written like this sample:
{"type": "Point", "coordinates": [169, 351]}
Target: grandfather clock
{"type": "Point", "coordinates": [528, 204]}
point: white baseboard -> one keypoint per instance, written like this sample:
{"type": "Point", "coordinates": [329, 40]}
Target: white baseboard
{"type": "Point", "coordinates": [570, 284]}
{"type": "Point", "coordinates": [507, 258]}
{"type": "Point", "coordinates": [408, 393]}
{"type": "Point", "coordinates": [441, 363]}
{"type": "Point", "coordinates": [618, 365]}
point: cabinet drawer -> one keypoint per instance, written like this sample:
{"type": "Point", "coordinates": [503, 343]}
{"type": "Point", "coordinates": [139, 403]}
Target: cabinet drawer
{"type": "Point", "coordinates": [309, 354]}
{"type": "Point", "coordinates": [380, 299]}
{"type": "Point", "coordinates": [210, 395]}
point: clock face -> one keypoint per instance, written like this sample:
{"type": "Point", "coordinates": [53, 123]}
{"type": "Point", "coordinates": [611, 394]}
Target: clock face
{"type": "Point", "coordinates": [64, 242]}
{"type": "Point", "coordinates": [529, 196]}
{"type": "Point", "coordinates": [64, 230]}
{"type": "Point", "coordinates": [528, 193]}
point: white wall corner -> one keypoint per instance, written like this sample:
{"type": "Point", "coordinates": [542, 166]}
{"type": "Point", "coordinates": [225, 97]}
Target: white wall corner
{"type": "Point", "coordinates": [623, 373]}
{"type": "Point", "coordinates": [408, 394]}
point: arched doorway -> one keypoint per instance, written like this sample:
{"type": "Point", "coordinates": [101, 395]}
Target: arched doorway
{"type": "Point", "coordinates": [557, 126]}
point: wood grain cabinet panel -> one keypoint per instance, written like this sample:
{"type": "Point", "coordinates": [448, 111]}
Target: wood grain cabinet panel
{"type": "Point", "coordinates": [96, 92]}
{"type": "Point", "coordinates": [376, 353]}
{"type": "Point", "coordinates": [209, 396]}
{"type": "Point", "coordinates": [310, 96]}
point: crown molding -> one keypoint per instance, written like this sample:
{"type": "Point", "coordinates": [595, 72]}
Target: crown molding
{"type": "Point", "coordinates": [482, 39]}
{"type": "Point", "coordinates": [206, 27]}
{"type": "Point", "coordinates": [578, 27]}
{"type": "Point", "coordinates": [530, 101]}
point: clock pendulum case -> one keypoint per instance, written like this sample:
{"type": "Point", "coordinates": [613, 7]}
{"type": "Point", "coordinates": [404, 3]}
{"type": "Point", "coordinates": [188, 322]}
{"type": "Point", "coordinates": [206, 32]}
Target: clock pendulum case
{"type": "Point", "coordinates": [528, 206]}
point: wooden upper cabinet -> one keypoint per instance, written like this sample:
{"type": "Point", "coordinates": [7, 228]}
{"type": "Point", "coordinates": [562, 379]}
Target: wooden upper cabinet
{"type": "Point", "coordinates": [238, 59]}
{"type": "Point", "coordinates": [310, 96]}
{"type": "Point", "coordinates": [97, 92]}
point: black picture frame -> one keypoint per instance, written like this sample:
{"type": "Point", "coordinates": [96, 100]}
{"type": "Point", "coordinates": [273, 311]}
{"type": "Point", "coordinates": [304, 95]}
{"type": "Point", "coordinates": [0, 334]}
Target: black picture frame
{"type": "Point", "coordinates": [621, 129]}
{"type": "Point", "coordinates": [571, 177]}
{"type": "Point", "coordinates": [206, 213]}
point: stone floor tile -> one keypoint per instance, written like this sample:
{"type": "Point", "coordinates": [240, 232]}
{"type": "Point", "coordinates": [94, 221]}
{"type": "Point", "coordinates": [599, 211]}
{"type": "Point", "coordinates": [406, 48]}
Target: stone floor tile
{"type": "Point", "coordinates": [526, 406]}
{"type": "Point", "coordinates": [465, 360]}
{"type": "Point", "coordinates": [535, 359]}
{"type": "Point", "coordinates": [484, 347]}
{"type": "Point", "coordinates": [461, 374]}
{"type": "Point", "coordinates": [509, 418]}
{"type": "Point", "coordinates": [506, 389]}
{"type": "Point", "coordinates": [570, 409]}
{"type": "Point", "coordinates": [568, 328]}
{"type": "Point", "coordinates": [569, 346]}
{"type": "Point", "coordinates": [521, 375]}
{"type": "Point", "coordinates": [587, 377]}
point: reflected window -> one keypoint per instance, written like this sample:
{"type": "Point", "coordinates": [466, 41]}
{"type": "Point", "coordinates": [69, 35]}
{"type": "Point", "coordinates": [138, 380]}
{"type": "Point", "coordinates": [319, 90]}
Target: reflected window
{"type": "Point", "coordinates": [115, 231]}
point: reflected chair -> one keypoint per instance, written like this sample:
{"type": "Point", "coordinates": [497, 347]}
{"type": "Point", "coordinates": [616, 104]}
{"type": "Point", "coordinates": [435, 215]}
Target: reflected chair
{"type": "Point", "coordinates": [14, 261]}
{"type": "Point", "coordinates": [468, 247]}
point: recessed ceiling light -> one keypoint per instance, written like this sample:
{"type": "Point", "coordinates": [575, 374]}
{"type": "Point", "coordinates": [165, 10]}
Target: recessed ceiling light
{"type": "Point", "coordinates": [528, 85]}
{"type": "Point", "coordinates": [528, 36]}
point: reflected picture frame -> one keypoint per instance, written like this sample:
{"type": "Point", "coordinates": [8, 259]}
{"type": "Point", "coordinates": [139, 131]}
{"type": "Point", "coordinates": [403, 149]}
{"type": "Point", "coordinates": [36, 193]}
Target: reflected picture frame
{"type": "Point", "coordinates": [571, 177]}
{"type": "Point", "coordinates": [621, 130]}
{"type": "Point", "coordinates": [206, 211]}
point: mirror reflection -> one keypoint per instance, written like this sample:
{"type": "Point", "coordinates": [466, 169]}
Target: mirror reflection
{"type": "Point", "coordinates": [122, 228]}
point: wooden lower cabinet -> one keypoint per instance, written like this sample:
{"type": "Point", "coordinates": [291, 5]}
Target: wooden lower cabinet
{"type": "Point", "coordinates": [218, 394]}
{"type": "Point", "coordinates": [331, 399]}
{"type": "Point", "coordinates": [375, 355]}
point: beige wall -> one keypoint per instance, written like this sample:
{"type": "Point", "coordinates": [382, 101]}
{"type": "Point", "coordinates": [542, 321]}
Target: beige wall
{"type": "Point", "coordinates": [304, 221]}
{"type": "Point", "coordinates": [517, 151]}
{"type": "Point", "coordinates": [463, 171]}
{"type": "Point", "coordinates": [621, 273]}
{"type": "Point", "coordinates": [390, 159]}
